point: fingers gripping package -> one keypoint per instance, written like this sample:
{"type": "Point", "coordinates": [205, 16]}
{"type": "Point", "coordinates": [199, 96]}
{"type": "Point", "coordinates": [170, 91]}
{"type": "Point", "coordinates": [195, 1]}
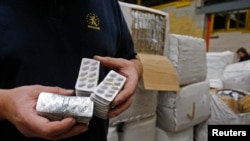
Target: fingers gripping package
{"type": "Point", "coordinates": [56, 107]}
{"type": "Point", "coordinates": [90, 99]}
{"type": "Point", "coordinates": [88, 77]}
{"type": "Point", "coordinates": [105, 93]}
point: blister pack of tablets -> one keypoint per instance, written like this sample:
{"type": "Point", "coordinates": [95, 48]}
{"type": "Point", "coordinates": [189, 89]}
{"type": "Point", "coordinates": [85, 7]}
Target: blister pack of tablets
{"type": "Point", "coordinates": [56, 107]}
{"type": "Point", "coordinates": [88, 77]}
{"type": "Point", "coordinates": [105, 93]}
{"type": "Point", "coordinates": [91, 98]}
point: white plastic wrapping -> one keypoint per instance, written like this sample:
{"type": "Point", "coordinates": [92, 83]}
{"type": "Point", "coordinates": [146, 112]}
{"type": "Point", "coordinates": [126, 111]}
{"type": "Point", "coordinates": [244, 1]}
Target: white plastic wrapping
{"type": "Point", "coordinates": [188, 55]}
{"type": "Point", "coordinates": [112, 134]}
{"type": "Point", "coordinates": [143, 106]}
{"type": "Point", "coordinates": [185, 135]}
{"type": "Point", "coordinates": [220, 114]}
{"type": "Point", "coordinates": [182, 110]}
{"type": "Point", "coordinates": [201, 132]}
{"type": "Point", "coordinates": [217, 62]}
{"type": "Point", "coordinates": [140, 130]}
{"type": "Point", "coordinates": [216, 84]}
{"type": "Point", "coordinates": [237, 76]}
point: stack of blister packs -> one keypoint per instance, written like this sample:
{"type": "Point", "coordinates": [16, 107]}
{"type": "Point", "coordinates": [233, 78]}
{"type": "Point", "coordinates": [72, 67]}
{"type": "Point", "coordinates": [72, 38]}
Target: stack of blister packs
{"type": "Point", "coordinates": [105, 93]}
{"type": "Point", "coordinates": [91, 98]}
{"type": "Point", "coordinates": [56, 107]}
{"type": "Point", "coordinates": [88, 77]}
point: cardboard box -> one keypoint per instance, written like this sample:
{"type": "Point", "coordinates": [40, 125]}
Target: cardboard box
{"type": "Point", "coordinates": [149, 29]}
{"type": "Point", "coordinates": [158, 73]}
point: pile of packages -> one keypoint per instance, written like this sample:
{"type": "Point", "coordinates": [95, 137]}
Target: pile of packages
{"type": "Point", "coordinates": [159, 113]}
{"type": "Point", "coordinates": [229, 89]}
{"type": "Point", "coordinates": [201, 87]}
{"type": "Point", "coordinates": [178, 112]}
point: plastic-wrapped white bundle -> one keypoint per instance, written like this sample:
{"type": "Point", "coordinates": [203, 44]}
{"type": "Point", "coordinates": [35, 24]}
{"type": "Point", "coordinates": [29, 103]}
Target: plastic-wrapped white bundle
{"type": "Point", "coordinates": [140, 130]}
{"type": "Point", "coordinates": [137, 130]}
{"type": "Point", "coordinates": [200, 131]}
{"type": "Point", "coordinates": [57, 107]}
{"type": "Point", "coordinates": [182, 110]}
{"type": "Point", "coordinates": [216, 83]}
{"type": "Point", "coordinates": [216, 64]}
{"type": "Point", "coordinates": [188, 55]}
{"type": "Point", "coordinates": [237, 76]}
{"type": "Point", "coordinates": [185, 135]}
{"type": "Point", "coordinates": [112, 134]}
{"type": "Point", "coordinates": [221, 113]}
{"type": "Point", "coordinates": [143, 106]}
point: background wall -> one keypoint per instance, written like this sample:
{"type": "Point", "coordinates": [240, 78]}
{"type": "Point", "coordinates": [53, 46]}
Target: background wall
{"type": "Point", "coordinates": [230, 41]}
{"type": "Point", "coordinates": [184, 20]}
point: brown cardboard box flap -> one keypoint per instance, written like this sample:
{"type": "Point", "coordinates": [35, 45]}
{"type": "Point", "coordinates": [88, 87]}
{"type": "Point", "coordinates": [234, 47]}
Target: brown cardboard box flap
{"type": "Point", "coordinates": [158, 73]}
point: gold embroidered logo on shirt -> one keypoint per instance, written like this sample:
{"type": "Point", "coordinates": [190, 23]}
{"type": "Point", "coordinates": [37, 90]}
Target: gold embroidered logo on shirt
{"type": "Point", "coordinates": [93, 21]}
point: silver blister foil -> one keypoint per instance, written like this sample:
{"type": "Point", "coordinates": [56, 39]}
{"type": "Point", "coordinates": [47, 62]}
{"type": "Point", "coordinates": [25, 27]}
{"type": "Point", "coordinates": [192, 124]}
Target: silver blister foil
{"type": "Point", "coordinates": [56, 107]}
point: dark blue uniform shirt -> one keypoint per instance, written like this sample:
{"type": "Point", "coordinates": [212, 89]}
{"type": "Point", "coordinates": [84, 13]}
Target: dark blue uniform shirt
{"type": "Point", "coordinates": [43, 42]}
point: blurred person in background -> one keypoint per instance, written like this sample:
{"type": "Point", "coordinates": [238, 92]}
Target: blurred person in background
{"type": "Point", "coordinates": [242, 54]}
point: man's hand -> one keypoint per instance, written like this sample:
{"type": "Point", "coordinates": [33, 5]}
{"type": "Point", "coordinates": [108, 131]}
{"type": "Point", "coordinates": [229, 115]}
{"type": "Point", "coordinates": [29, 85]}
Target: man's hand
{"type": "Point", "coordinates": [18, 106]}
{"type": "Point", "coordinates": [131, 69]}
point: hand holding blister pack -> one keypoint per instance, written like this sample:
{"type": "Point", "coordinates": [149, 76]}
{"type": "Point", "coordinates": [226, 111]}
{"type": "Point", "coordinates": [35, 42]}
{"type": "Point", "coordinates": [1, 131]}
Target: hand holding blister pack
{"type": "Point", "coordinates": [90, 99]}
{"type": "Point", "coordinates": [105, 93]}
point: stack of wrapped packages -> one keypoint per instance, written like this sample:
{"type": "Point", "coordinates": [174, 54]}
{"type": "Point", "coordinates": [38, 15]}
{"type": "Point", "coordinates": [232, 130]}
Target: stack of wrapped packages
{"type": "Point", "coordinates": [148, 28]}
{"type": "Point", "coordinates": [229, 104]}
{"type": "Point", "coordinates": [179, 112]}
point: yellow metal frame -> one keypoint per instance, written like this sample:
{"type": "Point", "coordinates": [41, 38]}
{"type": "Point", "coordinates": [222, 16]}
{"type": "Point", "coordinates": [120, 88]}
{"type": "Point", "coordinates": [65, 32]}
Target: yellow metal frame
{"type": "Point", "coordinates": [227, 26]}
{"type": "Point", "coordinates": [178, 4]}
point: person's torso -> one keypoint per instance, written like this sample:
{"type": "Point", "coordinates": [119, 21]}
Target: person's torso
{"type": "Point", "coordinates": [43, 42]}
